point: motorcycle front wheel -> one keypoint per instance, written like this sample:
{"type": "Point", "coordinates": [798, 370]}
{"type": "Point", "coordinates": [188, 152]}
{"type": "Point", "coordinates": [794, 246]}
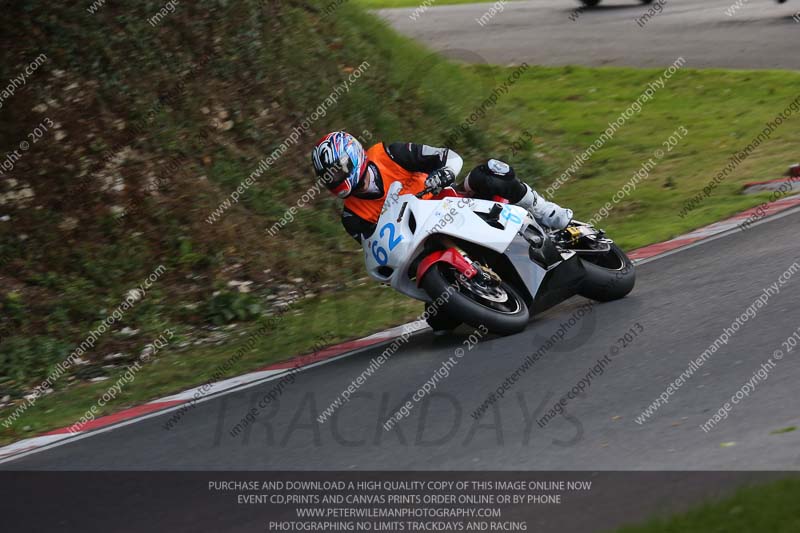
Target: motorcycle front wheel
{"type": "Point", "coordinates": [498, 306]}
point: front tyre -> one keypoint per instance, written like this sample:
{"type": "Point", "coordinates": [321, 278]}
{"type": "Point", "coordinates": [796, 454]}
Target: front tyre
{"type": "Point", "coordinates": [609, 276]}
{"type": "Point", "coordinates": [496, 306]}
{"type": "Point", "coordinates": [440, 322]}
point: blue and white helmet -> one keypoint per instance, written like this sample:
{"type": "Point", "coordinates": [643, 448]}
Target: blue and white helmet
{"type": "Point", "coordinates": [339, 161]}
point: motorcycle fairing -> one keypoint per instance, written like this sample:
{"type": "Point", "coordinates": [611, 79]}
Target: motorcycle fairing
{"type": "Point", "coordinates": [407, 222]}
{"type": "Point", "coordinates": [544, 286]}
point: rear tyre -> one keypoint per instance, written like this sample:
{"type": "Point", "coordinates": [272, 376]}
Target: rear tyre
{"type": "Point", "coordinates": [500, 308]}
{"type": "Point", "coordinates": [610, 276]}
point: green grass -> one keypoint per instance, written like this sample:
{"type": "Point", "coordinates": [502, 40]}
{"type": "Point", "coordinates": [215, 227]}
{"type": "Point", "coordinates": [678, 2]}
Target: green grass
{"type": "Point", "coordinates": [770, 508]}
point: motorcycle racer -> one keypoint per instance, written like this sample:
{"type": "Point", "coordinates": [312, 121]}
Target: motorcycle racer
{"type": "Point", "coordinates": [362, 178]}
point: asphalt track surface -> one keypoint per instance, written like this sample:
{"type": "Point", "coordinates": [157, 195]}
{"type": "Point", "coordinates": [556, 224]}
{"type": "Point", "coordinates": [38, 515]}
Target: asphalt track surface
{"type": "Point", "coordinates": [682, 302]}
{"type": "Point", "coordinates": [761, 35]}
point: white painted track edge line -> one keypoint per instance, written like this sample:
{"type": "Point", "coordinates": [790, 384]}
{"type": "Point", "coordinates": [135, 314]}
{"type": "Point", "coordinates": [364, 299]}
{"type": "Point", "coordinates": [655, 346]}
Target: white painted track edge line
{"type": "Point", "coordinates": [720, 235]}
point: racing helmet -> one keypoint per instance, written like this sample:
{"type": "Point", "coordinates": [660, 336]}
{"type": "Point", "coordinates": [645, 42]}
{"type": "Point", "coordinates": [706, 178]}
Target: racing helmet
{"type": "Point", "coordinates": [339, 162]}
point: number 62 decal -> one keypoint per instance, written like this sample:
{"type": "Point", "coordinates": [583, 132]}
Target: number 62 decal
{"type": "Point", "coordinates": [378, 252]}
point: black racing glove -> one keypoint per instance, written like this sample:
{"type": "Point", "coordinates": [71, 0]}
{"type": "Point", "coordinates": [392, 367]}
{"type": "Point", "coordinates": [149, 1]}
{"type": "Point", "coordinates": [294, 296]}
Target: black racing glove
{"type": "Point", "coordinates": [439, 179]}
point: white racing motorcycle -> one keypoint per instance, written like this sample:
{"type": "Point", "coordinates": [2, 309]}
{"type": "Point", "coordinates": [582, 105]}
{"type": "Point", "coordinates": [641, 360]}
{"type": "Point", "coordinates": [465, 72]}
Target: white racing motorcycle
{"type": "Point", "coordinates": [487, 262]}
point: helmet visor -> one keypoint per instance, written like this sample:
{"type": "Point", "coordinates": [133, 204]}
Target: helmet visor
{"type": "Point", "coordinates": [336, 174]}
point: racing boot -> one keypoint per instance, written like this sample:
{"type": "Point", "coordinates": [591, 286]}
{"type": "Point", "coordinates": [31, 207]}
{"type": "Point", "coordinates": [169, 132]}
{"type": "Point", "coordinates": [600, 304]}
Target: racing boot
{"type": "Point", "coordinates": [546, 213]}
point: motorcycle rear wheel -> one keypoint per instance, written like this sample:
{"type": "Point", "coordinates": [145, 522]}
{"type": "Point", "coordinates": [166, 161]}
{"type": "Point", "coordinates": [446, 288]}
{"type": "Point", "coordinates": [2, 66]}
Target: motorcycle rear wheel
{"type": "Point", "coordinates": [609, 276]}
{"type": "Point", "coordinates": [502, 311]}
